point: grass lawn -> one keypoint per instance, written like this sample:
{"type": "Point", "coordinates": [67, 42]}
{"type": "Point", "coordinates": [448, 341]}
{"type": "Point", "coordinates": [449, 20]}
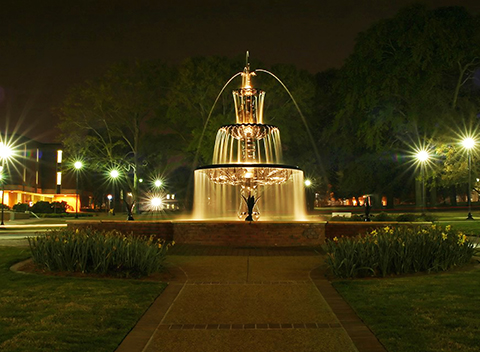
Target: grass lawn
{"type": "Point", "coordinates": [438, 312]}
{"type": "Point", "coordinates": [466, 226]}
{"type": "Point", "coordinates": [42, 313]}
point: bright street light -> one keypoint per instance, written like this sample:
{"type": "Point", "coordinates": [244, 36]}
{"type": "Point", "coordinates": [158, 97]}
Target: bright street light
{"type": "Point", "coordinates": [78, 165]}
{"type": "Point", "coordinates": [158, 183]}
{"type": "Point", "coordinates": [469, 143]}
{"type": "Point", "coordinates": [422, 157]}
{"type": "Point", "coordinates": [308, 183]}
{"type": "Point", "coordinates": [114, 174]}
{"type": "Point", "coordinates": [6, 152]}
{"type": "Point", "coordinates": [156, 203]}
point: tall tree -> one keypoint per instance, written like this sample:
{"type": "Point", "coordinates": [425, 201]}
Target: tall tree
{"type": "Point", "coordinates": [409, 76]}
{"type": "Point", "coordinates": [105, 120]}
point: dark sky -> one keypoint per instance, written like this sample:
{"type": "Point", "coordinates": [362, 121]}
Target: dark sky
{"type": "Point", "coordinates": [46, 46]}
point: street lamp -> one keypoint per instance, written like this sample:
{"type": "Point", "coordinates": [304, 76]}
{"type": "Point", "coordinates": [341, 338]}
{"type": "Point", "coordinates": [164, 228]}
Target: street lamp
{"type": "Point", "coordinates": [469, 143]}
{"type": "Point", "coordinates": [158, 183]}
{"type": "Point", "coordinates": [309, 195]}
{"type": "Point", "coordinates": [78, 165]}
{"type": "Point", "coordinates": [109, 197]}
{"type": "Point", "coordinates": [6, 152]}
{"type": "Point", "coordinates": [114, 174]}
{"type": "Point", "coordinates": [422, 157]}
{"type": "Point", "coordinates": [3, 189]}
{"type": "Point", "coordinates": [156, 203]}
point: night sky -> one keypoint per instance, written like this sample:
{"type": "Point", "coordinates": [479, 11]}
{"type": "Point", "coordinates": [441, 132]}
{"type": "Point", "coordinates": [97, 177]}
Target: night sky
{"type": "Point", "coordinates": [46, 46]}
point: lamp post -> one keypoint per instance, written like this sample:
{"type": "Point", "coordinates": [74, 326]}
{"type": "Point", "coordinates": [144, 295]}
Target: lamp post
{"type": "Point", "coordinates": [6, 152]}
{"type": "Point", "coordinates": [308, 195]}
{"type": "Point", "coordinates": [468, 143]}
{"type": "Point", "coordinates": [78, 165]}
{"type": "Point", "coordinates": [109, 197]}
{"type": "Point", "coordinates": [422, 157]}
{"type": "Point", "coordinates": [3, 189]}
{"type": "Point", "coordinates": [114, 174]}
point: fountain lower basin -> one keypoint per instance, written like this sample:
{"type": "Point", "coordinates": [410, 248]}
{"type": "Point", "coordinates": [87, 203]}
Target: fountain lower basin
{"type": "Point", "coordinates": [278, 188]}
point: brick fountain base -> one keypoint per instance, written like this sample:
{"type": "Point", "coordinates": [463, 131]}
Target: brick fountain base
{"type": "Point", "coordinates": [238, 233]}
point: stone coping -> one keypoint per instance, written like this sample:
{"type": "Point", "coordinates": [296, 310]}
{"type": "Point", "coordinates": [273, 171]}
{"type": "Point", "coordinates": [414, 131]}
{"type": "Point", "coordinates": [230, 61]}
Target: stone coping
{"type": "Point", "coordinates": [186, 221]}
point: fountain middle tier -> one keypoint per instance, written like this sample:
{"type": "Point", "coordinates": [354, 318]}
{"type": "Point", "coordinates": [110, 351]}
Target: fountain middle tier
{"type": "Point", "coordinates": [248, 143]}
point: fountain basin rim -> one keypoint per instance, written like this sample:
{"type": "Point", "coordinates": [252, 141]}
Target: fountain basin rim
{"type": "Point", "coordinates": [250, 165]}
{"type": "Point", "coordinates": [249, 124]}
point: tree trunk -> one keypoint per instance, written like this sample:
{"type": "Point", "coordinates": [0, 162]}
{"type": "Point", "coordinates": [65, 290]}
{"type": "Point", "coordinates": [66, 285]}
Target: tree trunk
{"type": "Point", "coordinates": [433, 197]}
{"type": "Point", "coordinates": [453, 196]}
{"type": "Point", "coordinates": [135, 170]}
{"type": "Point", "coordinates": [418, 193]}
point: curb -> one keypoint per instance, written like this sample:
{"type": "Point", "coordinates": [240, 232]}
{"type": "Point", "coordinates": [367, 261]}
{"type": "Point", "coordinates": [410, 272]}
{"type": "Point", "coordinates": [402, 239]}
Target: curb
{"type": "Point", "coordinates": [16, 267]}
{"type": "Point", "coordinates": [360, 334]}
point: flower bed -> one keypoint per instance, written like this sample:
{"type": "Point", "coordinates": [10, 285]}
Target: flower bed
{"type": "Point", "coordinates": [101, 252]}
{"type": "Point", "coordinates": [398, 250]}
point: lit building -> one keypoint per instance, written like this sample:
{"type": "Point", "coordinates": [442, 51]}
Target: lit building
{"type": "Point", "coordinates": [36, 173]}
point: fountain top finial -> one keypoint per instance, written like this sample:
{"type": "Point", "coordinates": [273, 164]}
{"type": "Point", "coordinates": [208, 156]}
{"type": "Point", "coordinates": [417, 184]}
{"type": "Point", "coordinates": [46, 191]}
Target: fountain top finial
{"type": "Point", "coordinates": [246, 74]}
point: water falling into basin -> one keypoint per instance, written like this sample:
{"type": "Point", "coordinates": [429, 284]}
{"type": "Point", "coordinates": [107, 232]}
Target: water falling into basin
{"type": "Point", "coordinates": [247, 168]}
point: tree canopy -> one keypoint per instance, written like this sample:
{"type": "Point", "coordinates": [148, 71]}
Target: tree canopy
{"type": "Point", "coordinates": [411, 77]}
{"type": "Point", "coordinates": [104, 121]}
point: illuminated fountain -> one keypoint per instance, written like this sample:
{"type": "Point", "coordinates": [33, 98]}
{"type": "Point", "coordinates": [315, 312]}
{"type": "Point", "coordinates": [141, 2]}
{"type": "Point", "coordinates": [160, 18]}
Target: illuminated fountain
{"type": "Point", "coordinates": [247, 170]}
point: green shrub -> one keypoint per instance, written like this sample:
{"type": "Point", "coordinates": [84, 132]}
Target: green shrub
{"type": "Point", "coordinates": [406, 218]}
{"type": "Point", "coordinates": [21, 207]}
{"type": "Point", "coordinates": [382, 217]}
{"type": "Point", "coordinates": [398, 250]}
{"type": "Point", "coordinates": [43, 207]}
{"type": "Point", "coordinates": [92, 251]}
{"type": "Point", "coordinates": [354, 217]}
{"type": "Point", "coordinates": [427, 217]}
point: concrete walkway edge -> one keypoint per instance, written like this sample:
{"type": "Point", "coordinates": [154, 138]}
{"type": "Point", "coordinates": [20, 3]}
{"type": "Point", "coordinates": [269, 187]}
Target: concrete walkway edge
{"type": "Point", "coordinates": [362, 337]}
{"type": "Point", "coordinates": [138, 338]}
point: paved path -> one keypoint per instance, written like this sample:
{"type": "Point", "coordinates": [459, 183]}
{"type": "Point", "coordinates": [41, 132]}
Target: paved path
{"type": "Point", "coordinates": [15, 232]}
{"type": "Point", "coordinates": [254, 300]}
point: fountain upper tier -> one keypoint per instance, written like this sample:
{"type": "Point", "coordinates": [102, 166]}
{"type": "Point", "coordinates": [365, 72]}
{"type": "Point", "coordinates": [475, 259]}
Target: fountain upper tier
{"type": "Point", "coordinates": [249, 140]}
{"type": "Point", "coordinates": [248, 100]}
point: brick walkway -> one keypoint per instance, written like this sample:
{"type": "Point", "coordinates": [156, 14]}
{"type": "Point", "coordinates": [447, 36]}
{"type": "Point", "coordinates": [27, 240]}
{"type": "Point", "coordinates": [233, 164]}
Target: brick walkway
{"type": "Point", "coordinates": [249, 299]}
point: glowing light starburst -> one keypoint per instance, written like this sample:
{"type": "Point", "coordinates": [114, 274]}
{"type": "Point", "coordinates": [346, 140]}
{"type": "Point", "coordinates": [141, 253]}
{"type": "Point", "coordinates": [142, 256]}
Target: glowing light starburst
{"type": "Point", "coordinates": [422, 156]}
{"type": "Point", "coordinates": [6, 152]}
{"type": "Point", "coordinates": [468, 142]}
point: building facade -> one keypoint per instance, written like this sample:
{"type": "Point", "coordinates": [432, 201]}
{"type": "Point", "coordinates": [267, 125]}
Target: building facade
{"type": "Point", "coordinates": [36, 172]}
